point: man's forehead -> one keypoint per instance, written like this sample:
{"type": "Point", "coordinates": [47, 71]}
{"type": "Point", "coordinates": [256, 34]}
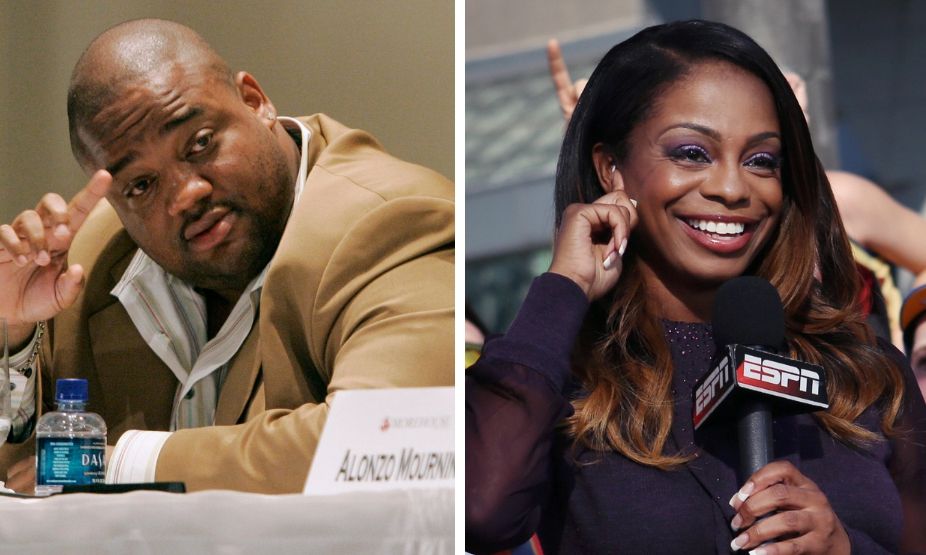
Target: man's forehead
{"type": "Point", "coordinates": [145, 110]}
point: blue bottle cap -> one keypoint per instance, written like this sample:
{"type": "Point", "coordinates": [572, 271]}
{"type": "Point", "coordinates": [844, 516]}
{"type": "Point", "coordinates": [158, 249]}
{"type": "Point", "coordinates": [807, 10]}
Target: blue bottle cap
{"type": "Point", "coordinates": [71, 390]}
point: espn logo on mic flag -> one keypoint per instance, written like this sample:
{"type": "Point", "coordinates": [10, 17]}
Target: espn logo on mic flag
{"type": "Point", "coordinates": [744, 368]}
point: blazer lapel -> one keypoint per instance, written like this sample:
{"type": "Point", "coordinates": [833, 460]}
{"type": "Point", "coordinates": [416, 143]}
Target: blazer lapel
{"type": "Point", "coordinates": [137, 389]}
{"type": "Point", "coordinates": [240, 381]}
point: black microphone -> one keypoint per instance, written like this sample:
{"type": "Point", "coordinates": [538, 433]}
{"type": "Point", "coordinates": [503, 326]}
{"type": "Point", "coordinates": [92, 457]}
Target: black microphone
{"type": "Point", "coordinates": [748, 375]}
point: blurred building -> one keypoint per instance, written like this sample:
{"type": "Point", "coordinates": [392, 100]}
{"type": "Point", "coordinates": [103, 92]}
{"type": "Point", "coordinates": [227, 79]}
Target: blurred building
{"type": "Point", "coordinates": [862, 61]}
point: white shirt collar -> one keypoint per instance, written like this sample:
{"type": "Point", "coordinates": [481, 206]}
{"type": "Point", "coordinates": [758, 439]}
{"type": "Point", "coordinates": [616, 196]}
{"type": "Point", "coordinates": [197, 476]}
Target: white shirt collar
{"type": "Point", "coordinates": [293, 123]}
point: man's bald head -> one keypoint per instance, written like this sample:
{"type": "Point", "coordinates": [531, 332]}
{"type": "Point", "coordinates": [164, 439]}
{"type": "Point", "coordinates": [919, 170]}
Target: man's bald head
{"type": "Point", "coordinates": [126, 54]}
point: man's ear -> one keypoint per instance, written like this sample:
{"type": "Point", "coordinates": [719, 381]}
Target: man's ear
{"type": "Point", "coordinates": [253, 96]}
{"type": "Point", "coordinates": [609, 176]}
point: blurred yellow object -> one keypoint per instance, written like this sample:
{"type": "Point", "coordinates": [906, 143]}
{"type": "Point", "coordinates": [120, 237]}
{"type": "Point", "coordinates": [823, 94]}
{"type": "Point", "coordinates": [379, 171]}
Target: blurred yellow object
{"type": "Point", "coordinates": [473, 351]}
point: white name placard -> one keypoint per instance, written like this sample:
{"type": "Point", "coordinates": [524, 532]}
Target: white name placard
{"type": "Point", "coordinates": [385, 439]}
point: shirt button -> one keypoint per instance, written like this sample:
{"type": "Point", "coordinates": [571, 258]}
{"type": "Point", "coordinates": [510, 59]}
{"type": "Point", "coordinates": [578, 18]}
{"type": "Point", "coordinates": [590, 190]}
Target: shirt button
{"type": "Point", "coordinates": [189, 394]}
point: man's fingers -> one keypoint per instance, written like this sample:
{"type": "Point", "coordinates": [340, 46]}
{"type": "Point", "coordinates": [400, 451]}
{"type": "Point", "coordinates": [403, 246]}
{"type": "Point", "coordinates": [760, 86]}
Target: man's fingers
{"type": "Point", "coordinates": [558, 70]}
{"type": "Point", "coordinates": [32, 235]}
{"type": "Point", "coordinates": [54, 213]}
{"type": "Point", "coordinates": [84, 201]}
{"type": "Point", "coordinates": [34, 244]}
{"type": "Point", "coordinates": [27, 237]}
{"type": "Point", "coordinates": [68, 286]}
{"type": "Point", "coordinates": [565, 91]}
{"type": "Point", "coordinates": [13, 248]}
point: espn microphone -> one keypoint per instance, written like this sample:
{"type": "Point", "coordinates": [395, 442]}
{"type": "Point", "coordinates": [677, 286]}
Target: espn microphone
{"type": "Point", "coordinates": [748, 375]}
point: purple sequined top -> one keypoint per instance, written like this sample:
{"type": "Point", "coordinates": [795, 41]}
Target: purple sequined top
{"type": "Point", "coordinates": [523, 476]}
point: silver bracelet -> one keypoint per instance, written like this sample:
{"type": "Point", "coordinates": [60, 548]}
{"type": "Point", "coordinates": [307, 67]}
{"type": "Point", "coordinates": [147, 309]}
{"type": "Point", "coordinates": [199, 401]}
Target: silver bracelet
{"type": "Point", "coordinates": [37, 346]}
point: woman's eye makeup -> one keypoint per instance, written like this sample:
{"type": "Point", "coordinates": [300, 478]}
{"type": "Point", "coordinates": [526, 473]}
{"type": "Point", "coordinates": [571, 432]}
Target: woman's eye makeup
{"type": "Point", "coordinates": [696, 154]}
{"type": "Point", "coordinates": [689, 153]}
{"type": "Point", "coordinates": [764, 160]}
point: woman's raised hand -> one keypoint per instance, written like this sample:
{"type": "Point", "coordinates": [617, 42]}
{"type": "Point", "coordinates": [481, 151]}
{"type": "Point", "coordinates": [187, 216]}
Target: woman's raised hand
{"type": "Point", "coordinates": [591, 240]}
{"type": "Point", "coordinates": [798, 517]}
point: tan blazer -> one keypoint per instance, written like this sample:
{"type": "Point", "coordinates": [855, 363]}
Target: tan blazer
{"type": "Point", "coordinates": [358, 295]}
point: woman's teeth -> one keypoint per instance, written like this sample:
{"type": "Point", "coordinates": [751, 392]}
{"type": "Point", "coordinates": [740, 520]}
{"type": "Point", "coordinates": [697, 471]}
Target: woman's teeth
{"type": "Point", "coordinates": [720, 228]}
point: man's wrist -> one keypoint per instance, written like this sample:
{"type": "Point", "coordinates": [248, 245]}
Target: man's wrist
{"type": "Point", "coordinates": [26, 355]}
{"type": "Point", "coordinates": [19, 336]}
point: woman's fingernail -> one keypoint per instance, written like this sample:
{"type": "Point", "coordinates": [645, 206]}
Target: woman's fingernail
{"type": "Point", "coordinates": [609, 261]}
{"type": "Point", "coordinates": [758, 551]}
{"type": "Point", "coordinates": [745, 491]}
{"type": "Point", "coordinates": [61, 230]}
{"type": "Point", "coordinates": [22, 260]}
{"type": "Point", "coordinates": [633, 202]}
{"type": "Point", "coordinates": [623, 247]}
{"type": "Point", "coordinates": [42, 258]}
{"type": "Point", "coordinates": [736, 523]}
{"type": "Point", "coordinates": [739, 542]}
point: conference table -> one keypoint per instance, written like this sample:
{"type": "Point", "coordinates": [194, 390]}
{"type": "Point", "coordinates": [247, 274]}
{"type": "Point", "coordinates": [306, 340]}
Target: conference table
{"type": "Point", "coordinates": [228, 522]}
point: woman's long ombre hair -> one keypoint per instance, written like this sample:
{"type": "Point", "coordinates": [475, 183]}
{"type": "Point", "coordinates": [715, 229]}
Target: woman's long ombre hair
{"type": "Point", "coordinates": [621, 357]}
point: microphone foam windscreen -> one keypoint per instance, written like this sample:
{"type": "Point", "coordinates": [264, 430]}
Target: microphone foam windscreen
{"type": "Point", "coordinates": [748, 311]}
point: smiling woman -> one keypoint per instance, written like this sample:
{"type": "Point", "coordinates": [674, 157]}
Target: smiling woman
{"type": "Point", "coordinates": [687, 163]}
{"type": "Point", "coordinates": [707, 180]}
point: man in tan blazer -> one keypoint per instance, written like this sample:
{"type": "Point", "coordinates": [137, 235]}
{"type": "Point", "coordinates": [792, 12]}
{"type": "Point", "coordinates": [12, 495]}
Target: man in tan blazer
{"type": "Point", "coordinates": [349, 274]}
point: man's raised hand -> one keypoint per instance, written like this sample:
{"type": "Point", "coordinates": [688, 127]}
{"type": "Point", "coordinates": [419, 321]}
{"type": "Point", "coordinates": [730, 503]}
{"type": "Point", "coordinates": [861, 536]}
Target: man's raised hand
{"type": "Point", "coordinates": [567, 92]}
{"type": "Point", "coordinates": [36, 282]}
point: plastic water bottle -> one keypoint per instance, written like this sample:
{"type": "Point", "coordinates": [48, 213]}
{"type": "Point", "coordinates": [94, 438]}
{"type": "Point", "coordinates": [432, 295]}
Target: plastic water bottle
{"type": "Point", "coordinates": [70, 443]}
